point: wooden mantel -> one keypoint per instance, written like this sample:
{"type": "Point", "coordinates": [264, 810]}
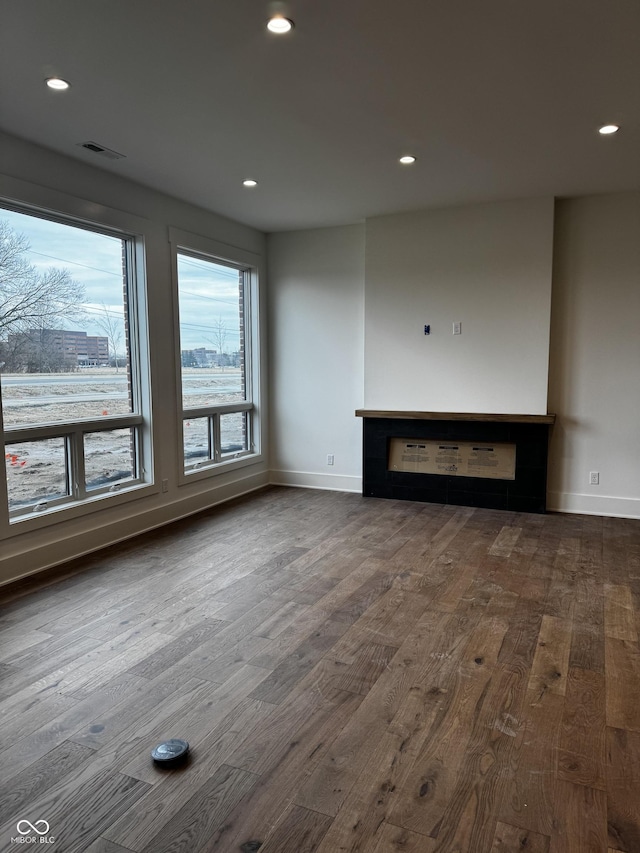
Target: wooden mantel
{"type": "Point", "coordinates": [457, 416]}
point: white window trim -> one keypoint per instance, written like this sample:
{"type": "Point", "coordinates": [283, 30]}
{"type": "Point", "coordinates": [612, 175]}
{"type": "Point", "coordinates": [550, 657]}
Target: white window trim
{"type": "Point", "coordinates": [35, 200]}
{"type": "Point", "coordinates": [241, 259]}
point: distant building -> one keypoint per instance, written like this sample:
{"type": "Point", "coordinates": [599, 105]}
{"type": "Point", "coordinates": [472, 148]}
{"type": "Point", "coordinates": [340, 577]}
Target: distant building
{"type": "Point", "coordinates": [56, 349]}
{"type": "Point", "coordinates": [199, 357]}
{"type": "Point", "coordinates": [87, 350]}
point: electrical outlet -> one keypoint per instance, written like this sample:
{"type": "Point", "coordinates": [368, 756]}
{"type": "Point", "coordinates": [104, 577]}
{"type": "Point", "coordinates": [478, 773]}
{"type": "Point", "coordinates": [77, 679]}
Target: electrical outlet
{"type": "Point", "coordinates": [330, 458]}
{"type": "Point", "coordinates": [594, 478]}
{"type": "Point", "coordinates": [165, 485]}
{"type": "Point", "coordinates": [457, 328]}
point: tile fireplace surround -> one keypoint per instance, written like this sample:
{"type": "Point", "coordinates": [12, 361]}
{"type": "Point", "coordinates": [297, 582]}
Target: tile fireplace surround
{"type": "Point", "coordinates": [529, 433]}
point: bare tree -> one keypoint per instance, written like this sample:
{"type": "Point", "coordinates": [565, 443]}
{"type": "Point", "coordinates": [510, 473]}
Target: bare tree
{"type": "Point", "coordinates": [14, 352]}
{"type": "Point", "coordinates": [44, 354]}
{"type": "Point", "coordinates": [30, 299]}
{"type": "Point", "coordinates": [112, 327]}
{"type": "Point", "coordinates": [220, 335]}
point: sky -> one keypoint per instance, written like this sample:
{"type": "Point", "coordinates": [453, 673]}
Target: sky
{"type": "Point", "coordinates": [208, 292]}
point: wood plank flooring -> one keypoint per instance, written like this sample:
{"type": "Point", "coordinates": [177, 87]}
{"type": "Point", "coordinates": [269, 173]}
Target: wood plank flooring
{"type": "Point", "coordinates": [352, 675]}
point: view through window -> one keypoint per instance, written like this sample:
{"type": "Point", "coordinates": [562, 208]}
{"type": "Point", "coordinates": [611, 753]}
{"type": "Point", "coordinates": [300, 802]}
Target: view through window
{"type": "Point", "coordinates": [216, 399]}
{"type": "Point", "coordinates": [67, 376]}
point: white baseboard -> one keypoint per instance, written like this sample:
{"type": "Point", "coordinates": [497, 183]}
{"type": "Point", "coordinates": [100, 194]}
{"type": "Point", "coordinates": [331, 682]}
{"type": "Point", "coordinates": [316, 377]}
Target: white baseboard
{"type": "Point", "coordinates": [312, 480]}
{"type": "Point", "coordinates": [593, 505]}
{"type": "Point", "coordinates": [556, 501]}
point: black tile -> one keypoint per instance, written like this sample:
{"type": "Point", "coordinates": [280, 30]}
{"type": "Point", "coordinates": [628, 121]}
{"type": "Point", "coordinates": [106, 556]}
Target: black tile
{"type": "Point", "coordinates": [526, 493]}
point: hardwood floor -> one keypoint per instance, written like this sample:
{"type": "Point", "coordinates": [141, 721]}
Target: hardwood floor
{"type": "Point", "coordinates": [352, 675]}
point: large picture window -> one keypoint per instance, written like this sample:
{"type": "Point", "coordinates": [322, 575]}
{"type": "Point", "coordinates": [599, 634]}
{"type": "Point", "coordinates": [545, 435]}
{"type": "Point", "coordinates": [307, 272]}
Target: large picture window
{"type": "Point", "coordinates": [215, 304]}
{"type": "Point", "coordinates": [69, 366]}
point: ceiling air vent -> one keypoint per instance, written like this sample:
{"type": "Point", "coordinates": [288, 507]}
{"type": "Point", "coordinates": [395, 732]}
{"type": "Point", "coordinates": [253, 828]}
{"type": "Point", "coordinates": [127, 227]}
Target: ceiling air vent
{"type": "Point", "coordinates": [101, 150]}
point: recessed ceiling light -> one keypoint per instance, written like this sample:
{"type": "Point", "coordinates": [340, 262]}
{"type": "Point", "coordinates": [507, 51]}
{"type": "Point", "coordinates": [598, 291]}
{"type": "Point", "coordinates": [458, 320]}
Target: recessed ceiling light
{"type": "Point", "coordinates": [407, 159]}
{"type": "Point", "coordinates": [608, 129]}
{"type": "Point", "coordinates": [57, 83]}
{"type": "Point", "coordinates": [279, 24]}
{"type": "Point", "coordinates": [249, 183]}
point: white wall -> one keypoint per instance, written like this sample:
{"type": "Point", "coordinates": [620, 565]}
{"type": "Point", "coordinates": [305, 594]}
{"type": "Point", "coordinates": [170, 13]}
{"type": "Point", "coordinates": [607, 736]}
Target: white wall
{"type": "Point", "coordinates": [595, 356]}
{"type": "Point", "coordinates": [487, 266]}
{"type": "Point", "coordinates": [51, 180]}
{"type": "Point", "coordinates": [316, 289]}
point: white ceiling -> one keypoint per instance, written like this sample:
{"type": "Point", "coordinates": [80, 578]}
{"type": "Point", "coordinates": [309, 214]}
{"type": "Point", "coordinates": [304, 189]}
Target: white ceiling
{"type": "Point", "coordinates": [496, 98]}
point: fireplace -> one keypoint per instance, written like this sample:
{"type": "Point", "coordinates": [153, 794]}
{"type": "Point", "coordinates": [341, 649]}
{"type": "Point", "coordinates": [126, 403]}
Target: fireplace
{"type": "Point", "coordinates": [484, 460]}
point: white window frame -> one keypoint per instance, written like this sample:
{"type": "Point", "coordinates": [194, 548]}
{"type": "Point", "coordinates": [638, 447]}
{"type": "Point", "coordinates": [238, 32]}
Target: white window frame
{"type": "Point", "coordinates": [199, 247]}
{"type": "Point", "coordinates": [29, 199]}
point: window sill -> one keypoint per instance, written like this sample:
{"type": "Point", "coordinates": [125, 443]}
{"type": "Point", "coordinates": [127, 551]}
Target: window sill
{"type": "Point", "coordinates": [215, 469]}
{"type": "Point", "coordinates": [77, 509]}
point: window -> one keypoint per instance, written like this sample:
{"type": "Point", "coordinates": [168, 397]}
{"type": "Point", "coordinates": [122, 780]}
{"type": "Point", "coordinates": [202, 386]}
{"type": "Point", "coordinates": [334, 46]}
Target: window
{"type": "Point", "coordinates": [215, 301]}
{"type": "Point", "coordinates": [69, 364]}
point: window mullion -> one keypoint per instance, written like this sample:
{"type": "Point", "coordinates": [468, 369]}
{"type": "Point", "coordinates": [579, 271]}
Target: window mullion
{"type": "Point", "coordinates": [57, 430]}
{"type": "Point", "coordinates": [75, 464]}
{"type": "Point", "coordinates": [216, 447]}
{"type": "Point", "coordinates": [221, 409]}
